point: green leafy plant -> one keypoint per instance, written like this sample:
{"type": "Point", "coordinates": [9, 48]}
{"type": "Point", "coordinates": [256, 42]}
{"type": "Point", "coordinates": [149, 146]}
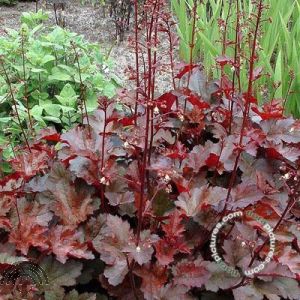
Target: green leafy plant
{"type": "Point", "coordinates": [48, 77]}
{"type": "Point", "coordinates": [219, 23]}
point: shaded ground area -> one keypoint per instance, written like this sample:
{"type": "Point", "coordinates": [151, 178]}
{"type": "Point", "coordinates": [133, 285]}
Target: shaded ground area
{"type": "Point", "coordinates": [91, 22]}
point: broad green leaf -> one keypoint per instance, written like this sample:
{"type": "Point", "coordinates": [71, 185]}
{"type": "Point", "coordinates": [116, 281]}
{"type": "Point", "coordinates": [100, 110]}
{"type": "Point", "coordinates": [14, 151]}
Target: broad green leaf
{"type": "Point", "coordinates": [3, 140]}
{"type": "Point", "coordinates": [99, 57]}
{"type": "Point", "coordinates": [52, 119]}
{"type": "Point", "coordinates": [70, 70]}
{"type": "Point", "coordinates": [67, 109]}
{"type": "Point", "coordinates": [8, 153]}
{"type": "Point", "coordinates": [57, 36]}
{"type": "Point", "coordinates": [37, 95]}
{"type": "Point", "coordinates": [98, 81]}
{"type": "Point", "coordinates": [32, 19]}
{"type": "Point", "coordinates": [91, 102]}
{"type": "Point", "coordinates": [47, 58]}
{"type": "Point", "coordinates": [5, 119]}
{"type": "Point", "coordinates": [52, 109]}
{"type": "Point", "coordinates": [38, 70]}
{"type": "Point", "coordinates": [84, 77]}
{"type": "Point", "coordinates": [67, 96]}
{"type": "Point", "coordinates": [37, 112]}
{"type": "Point", "coordinates": [60, 75]}
{"type": "Point", "coordinates": [109, 90]}
{"type": "Point", "coordinates": [5, 166]}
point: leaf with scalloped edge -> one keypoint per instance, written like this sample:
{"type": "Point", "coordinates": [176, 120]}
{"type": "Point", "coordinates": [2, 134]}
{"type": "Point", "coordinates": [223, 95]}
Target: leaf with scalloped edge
{"type": "Point", "coordinates": [275, 289]}
{"type": "Point", "coordinates": [58, 274]}
{"type": "Point", "coordinates": [191, 273]}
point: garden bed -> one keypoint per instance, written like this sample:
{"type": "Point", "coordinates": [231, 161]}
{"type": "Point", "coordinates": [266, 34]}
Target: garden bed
{"type": "Point", "coordinates": [133, 177]}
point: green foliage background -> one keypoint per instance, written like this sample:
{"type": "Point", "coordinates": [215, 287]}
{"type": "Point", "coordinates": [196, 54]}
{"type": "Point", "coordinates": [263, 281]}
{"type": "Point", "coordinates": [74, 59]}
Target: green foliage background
{"type": "Point", "coordinates": [279, 43]}
{"type": "Point", "coordinates": [44, 75]}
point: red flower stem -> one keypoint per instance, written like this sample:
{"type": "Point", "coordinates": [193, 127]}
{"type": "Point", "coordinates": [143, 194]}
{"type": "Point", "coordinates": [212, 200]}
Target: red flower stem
{"type": "Point", "coordinates": [137, 67]}
{"type": "Point", "coordinates": [153, 84]}
{"type": "Point", "coordinates": [144, 69]}
{"type": "Point", "coordinates": [18, 213]}
{"type": "Point", "coordinates": [132, 282]}
{"type": "Point", "coordinates": [236, 72]}
{"type": "Point", "coordinates": [103, 206]}
{"type": "Point", "coordinates": [192, 45]}
{"type": "Point", "coordinates": [144, 158]}
{"type": "Point", "coordinates": [224, 43]}
{"type": "Point", "coordinates": [252, 60]}
{"type": "Point", "coordinates": [103, 138]}
{"type": "Point", "coordinates": [247, 107]}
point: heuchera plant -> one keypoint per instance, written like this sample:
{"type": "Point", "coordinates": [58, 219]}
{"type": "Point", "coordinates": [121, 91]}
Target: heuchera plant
{"type": "Point", "coordinates": [127, 201]}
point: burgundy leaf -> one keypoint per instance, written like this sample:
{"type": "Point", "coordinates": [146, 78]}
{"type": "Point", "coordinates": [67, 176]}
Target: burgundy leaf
{"type": "Point", "coordinates": [287, 130]}
{"type": "Point", "coordinates": [173, 241]}
{"type": "Point", "coordinates": [224, 60]}
{"type": "Point", "coordinates": [290, 258]}
{"type": "Point", "coordinates": [82, 142]}
{"type": "Point", "coordinates": [185, 70]}
{"type": "Point", "coordinates": [270, 111]}
{"type": "Point", "coordinates": [196, 101]}
{"type": "Point", "coordinates": [165, 102]}
{"type": "Point", "coordinates": [153, 280]}
{"type": "Point", "coordinates": [244, 195]}
{"type": "Point", "coordinates": [192, 202]}
{"type": "Point", "coordinates": [190, 273]}
{"type": "Point", "coordinates": [29, 225]}
{"type": "Point", "coordinates": [72, 204]}
{"type": "Point", "coordinates": [66, 242]}
{"type": "Point", "coordinates": [178, 151]}
{"type": "Point", "coordinates": [86, 169]}
{"type": "Point", "coordinates": [49, 134]}
{"type": "Point", "coordinates": [219, 279]}
{"type": "Point", "coordinates": [28, 164]}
